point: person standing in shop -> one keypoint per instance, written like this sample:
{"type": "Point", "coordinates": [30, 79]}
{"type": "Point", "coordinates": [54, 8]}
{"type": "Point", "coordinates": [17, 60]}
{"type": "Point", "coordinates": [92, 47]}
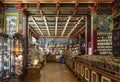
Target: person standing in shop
{"type": "Point", "coordinates": [61, 56]}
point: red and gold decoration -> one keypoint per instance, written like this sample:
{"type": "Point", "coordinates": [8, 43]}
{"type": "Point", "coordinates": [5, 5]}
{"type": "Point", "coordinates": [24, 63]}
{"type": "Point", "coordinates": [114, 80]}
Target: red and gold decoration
{"type": "Point", "coordinates": [67, 1]}
{"type": "Point", "coordinates": [82, 70]}
{"type": "Point", "coordinates": [94, 77]}
{"type": "Point", "coordinates": [105, 79]}
{"type": "Point", "coordinates": [19, 6]}
{"type": "Point", "coordinates": [94, 7]}
{"type": "Point", "coordinates": [87, 74]}
{"type": "Point", "coordinates": [2, 8]}
{"type": "Point", "coordinates": [78, 68]}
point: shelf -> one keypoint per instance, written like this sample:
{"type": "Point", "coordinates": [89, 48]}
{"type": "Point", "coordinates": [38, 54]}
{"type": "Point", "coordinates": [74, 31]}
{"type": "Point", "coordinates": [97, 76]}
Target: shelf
{"type": "Point", "coordinates": [104, 42]}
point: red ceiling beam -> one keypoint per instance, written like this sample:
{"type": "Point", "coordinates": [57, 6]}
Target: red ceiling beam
{"type": "Point", "coordinates": [31, 30]}
{"type": "Point", "coordinates": [20, 7]}
{"type": "Point", "coordinates": [32, 33]}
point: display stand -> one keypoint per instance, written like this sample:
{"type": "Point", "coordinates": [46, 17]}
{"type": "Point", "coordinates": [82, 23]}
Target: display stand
{"type": "Point", "coordinates": [16, 58]}
{"type": "Point", "coordinates": [11, 58]}
{"type": "Point", "coordinates": [33, 69]}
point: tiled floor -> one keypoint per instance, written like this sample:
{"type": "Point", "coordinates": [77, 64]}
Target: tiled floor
{"type": "Point", "coordinates": [54, 72]}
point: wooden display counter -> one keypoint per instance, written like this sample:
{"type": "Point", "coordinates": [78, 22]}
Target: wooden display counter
{"type": "Point", "coordinates": [70, 63]}
{"type": "Point", "coordinates": [33, 73]}
{"type": "Point", "coordinates": [51, 58]}
{"type": "Point", "coordinates": [88, 73]}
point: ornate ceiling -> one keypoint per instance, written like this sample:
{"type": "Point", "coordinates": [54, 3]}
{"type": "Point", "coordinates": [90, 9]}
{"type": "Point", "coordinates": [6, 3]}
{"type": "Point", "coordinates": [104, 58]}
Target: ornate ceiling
{"type": "Point", "coordinates": [61, 1]}
{"type": "Point", "coordinates": [58, 18]}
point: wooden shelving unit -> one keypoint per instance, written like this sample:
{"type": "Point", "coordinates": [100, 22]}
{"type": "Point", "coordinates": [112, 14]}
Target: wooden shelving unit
{"type": "Point", "coordinates": [104, 43]}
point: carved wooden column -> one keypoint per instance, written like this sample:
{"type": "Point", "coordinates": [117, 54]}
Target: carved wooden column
{"type": "Point", "coordinates": [25, 43]}
{"type": "Point", "coordinates": [23, 30]}
{"type": "Point", "coordinates": [93, 8]}
{"type": "Point", "coordinates": [2, 8]}
{"type": "Point", "coordinates": [94, 32]}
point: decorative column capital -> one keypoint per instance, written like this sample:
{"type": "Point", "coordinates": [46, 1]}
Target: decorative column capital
{"type": "Point", "coordinates": [57, 5]}
{"type": "Point", "coordinates": [3, 7]}
{"type": "Point", "coordinates": [93, 7]}
{"type": "Point", "coordinates": [38, 5]}
{"type": "Point", "coordinates": [20, 7]}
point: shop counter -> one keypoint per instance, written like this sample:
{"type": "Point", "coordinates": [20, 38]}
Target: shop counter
{"type": "Point", "coordinates": [51, 58]}
{"type": "Point", "coordinates": [70, 63]}
{"type": "Point", "coordinates": [90, 71]}
{"type": "Point", "coordinates": [33, 73]}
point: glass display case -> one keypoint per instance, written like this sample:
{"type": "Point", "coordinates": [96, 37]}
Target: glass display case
{"type": "Point", "coordinates": [33, 62]}
{"type": "Point", "coordinates": [33, 57]}
{"type": "Point", "coordinates": [17, 61]}
{"type": "Point", "coordinates": [11, 58]}
{"type": "Point", "coordinates": [4, 58]}
{"type": "Point", "coordinates": [0, 57]}
{"type": "Point", "coordinates": [16, 57]}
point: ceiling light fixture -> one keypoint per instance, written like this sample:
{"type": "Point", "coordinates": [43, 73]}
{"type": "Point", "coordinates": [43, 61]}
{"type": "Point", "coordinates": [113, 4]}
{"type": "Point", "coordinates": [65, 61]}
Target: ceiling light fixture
{"type": "Point", "coordinates": [66, 25]}
{"type": "Point", "coordinates": [56, 25]}
{"type": "Point", "coordinates": [46, 25]}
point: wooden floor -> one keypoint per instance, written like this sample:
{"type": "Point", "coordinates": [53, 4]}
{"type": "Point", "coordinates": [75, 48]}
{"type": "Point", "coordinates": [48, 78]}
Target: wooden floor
{"type": "Point", "coordinates": [54, 72]}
